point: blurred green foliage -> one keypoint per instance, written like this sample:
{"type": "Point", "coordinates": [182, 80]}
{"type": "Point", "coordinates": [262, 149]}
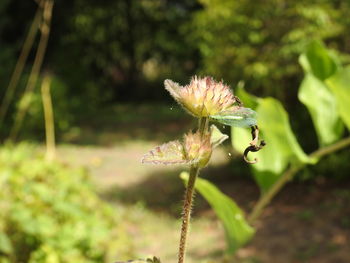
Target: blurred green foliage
{"type": "Point", "coordinates": [325, 93]}
{"type": "Point", "coordinates": [103, 52]}
{"type": "Point", "coordinates": [63, 108]}
{"type": "Point", "coordinates": [50, 213]}
{"type": "Point", "coordinates": [319, 63]}
{"type": "Point", "coordinates": [99, 52]}
{"type": "Point", "coordinates": [258, 42]}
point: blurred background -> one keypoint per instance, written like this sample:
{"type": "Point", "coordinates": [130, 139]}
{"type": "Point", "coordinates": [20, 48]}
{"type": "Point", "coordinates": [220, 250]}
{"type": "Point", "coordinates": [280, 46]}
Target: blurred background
{"type": "Point", "coordinates": [82, 99]}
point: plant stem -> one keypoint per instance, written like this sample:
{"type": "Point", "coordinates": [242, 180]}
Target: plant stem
{"type": "Point", "coordinates": [266, 198]}
{"type": "Point", "coordinates": [203, 125]}
{"type": "Point", "coordinates": [331, 148]}
{"type": "Point", "coordinates": [49, 118]}
{"type": "Point", "coordinates": [187, 207]}
{"type": "Point", "coordinates": [28, 43]}
{"type": "Point", "coordinates": [186, 216]}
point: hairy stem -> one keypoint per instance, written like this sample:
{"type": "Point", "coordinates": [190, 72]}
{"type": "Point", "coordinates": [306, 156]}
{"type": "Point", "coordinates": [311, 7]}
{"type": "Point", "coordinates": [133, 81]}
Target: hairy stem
{"type": "Point", "coordinates": [186, 216]}
{"type": "Point", "coordinates": [187, 207]}
{"type": "Point", "coordinates": [288, 175]}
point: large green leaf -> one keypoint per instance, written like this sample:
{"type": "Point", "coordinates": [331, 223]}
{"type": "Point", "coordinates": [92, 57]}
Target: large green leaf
{"type": "Point", "coordinates": [323, 109]}
{"type": "Point", "coordinates": [276, 130]}
{"type": "Point", "coordinates": [318, 61]}
{"type": "Point", "coordinates": [340, 87]}
{"type": "Point", "coordinates": [240, 140]}
{"type": "Point", "coordinates": [237, 230]}
{"type": "Point", "coordinates": [282, 147]}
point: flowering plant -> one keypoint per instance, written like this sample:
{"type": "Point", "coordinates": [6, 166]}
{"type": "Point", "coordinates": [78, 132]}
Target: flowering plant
{"type": "Point", "coordinates": [207, 100]}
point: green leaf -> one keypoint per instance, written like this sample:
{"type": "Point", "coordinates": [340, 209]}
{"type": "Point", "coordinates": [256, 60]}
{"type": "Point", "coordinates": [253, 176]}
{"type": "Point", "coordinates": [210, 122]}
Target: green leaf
{"type": "Point", "coordinates": [318, 61]}
{"type": "Point", "coordinates": [282, 147]}
{"type": "Point", "coordinates": [323, 109]}
{"type": "Point", "coordinates": [5, 244]}
{"type": "Point", "coordinates": [237, 230]}
{"type": "Point", "coordinates": [237, 117]}
{"type": "Point", "coordinates": [339, 84]}
{"type": "Point", "coordinates": [276, 130]}
{"type": "Point", "coordinates": [240, 138]}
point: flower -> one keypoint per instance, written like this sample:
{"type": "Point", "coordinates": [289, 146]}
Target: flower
{"type": "Point", "coordinates": [203, 96]}
{"type": "Point", "coordinates": [198, 147]}
{"type": "Point", "coordinates": [195, 149]}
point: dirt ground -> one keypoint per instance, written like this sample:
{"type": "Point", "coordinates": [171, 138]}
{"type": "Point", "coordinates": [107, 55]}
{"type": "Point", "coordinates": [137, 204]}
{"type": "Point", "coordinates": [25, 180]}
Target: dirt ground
{"type": "Point", "coordinates": [306, 222]}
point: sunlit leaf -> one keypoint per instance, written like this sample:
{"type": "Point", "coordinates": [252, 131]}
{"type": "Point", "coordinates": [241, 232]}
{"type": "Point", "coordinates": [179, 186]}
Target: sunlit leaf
{"type": "Point", "coordinates": [321, 104]}
{"type": "Point", "coordinates": [318, 61]}
{"type": "Point", "coordinates": [340, 87]}
{"type": "Point", "coordinates": [169, 153]}
{"type": "Point", "coordinates": [237, 117]}
{"type": "Point", "coordinates": [237, 230]}
{"type": "Point", "coordinates": [276, 130]}
{"type": "Point", "coordinates": [240, 138]}
{"type": "Point", "coordinates": [282, 146]}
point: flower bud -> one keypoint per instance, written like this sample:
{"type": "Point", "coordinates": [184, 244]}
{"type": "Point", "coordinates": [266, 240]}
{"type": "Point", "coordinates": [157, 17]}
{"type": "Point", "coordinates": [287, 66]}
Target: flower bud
{"type": "Point", "coordinates": [195, 149]}
{"type": "Point", "coordinates": [198, 148]}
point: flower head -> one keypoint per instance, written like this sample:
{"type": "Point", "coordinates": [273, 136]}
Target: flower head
{"type": "Point", "coordinates": [194, 149]}
{"type": "Point", "coordinates": [203, 96]}
{"type": "Point", "coordinates": [198, 147]}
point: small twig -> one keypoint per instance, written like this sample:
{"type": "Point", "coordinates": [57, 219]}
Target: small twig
{"type": "Point", "coordinates": [27, 45]}
{"type": "Point", "coordinates": [45, 30]}
{"type": "Point", "coordinates": [49, 118]}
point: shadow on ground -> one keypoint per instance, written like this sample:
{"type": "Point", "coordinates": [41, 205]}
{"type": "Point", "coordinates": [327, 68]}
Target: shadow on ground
{"type": "Point", "coordinates": [306, 222]}
{"type": "Point", "coordinates": [163, 190]}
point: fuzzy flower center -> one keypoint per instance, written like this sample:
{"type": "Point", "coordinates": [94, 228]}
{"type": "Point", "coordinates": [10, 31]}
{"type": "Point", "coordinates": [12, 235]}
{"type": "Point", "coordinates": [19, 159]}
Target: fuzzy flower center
{"type": "Point", "coordinates": [203, 96]}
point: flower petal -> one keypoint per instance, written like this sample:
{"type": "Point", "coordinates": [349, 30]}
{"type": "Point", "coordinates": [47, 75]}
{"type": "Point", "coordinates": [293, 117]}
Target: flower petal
{"type": "Point", "coordinates": [173, 88]}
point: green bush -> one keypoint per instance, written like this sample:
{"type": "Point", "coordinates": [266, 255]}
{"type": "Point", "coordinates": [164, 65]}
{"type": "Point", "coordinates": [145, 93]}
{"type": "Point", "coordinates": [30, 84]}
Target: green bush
{"type": "Point", "coordinates": [50, 212]}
